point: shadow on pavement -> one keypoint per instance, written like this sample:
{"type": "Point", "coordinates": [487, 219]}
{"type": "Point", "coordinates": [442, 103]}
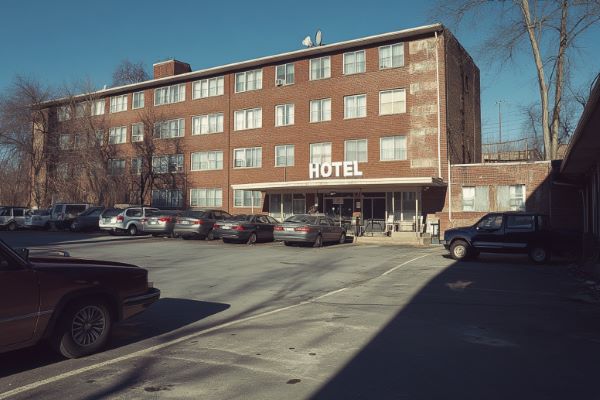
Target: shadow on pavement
{"type": "Point", "coordinates": [32, 238]}
{"type": "Point", "coordinates": [164, 316]}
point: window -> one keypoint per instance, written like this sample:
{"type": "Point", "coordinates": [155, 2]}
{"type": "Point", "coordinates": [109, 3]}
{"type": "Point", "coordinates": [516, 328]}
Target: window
{"type": "Point", "coordinates": [320, 153]}
{"type": "Point", "coordinates": [520, 222]}
{"type": "Point", "coordinates": [79, 141]}
{"type": "Point", "coordinates": [100, 138]}
{"type": "Point", "coordinates": [392, 148]}
{"type": "Point", "coordinates": [320, 68]}
{"type": "Point", "coordinates": [491, 222]}
{"type": "Point", "coordinates": [355, 150]}
{"type": "Point", "coordinates": [249, 80]}
{"type": "Point", "coordinates": [320, 110]}
{"type": "Point", "coordinates": [118, 103]}
{"type": "Point", "coordinates": [136, 165]}
{"type": "Point", "coordinates": [355, 106]}
{"type": "Point", "coordinates": [475, 198]}
{"type": "Point", "coordinates": [169, 94]}
{"type": "Point", "coordinates": [246, 198]}
{"type": "Point", "coordinates": [169, 129]}
{"type": "Point", "coordinates": [354, 62]}
{"type": "Point", "coordinates": [65, 142]}
{"type": "Point", "coordinates": [392, 102]}
{"type": "Point", "coordinates": [167, 198]}
{"type": "Point", "coordinates": [284, 155]}
{"type": "Point", "coordinates": [117, 135]}
{"type": "Point", "coordinates": [167, 164]}
{"type": "Point", "coordinates": [116, 167]}
{"type": "Point", "coordinates": [206, 197]}
{"type": "Point", "coordinates": [250, 157]}
{"type": "Point", "coordinates": [207, 160]}
{"type": "Point", "coordinates": [138, 100]}
{"type": "Point", "coordinates": [391, 56]}
{"type": "Point", "coordinates": [137, 132]}
{"type": "Point", "coordinates": [510, 198]}
{"type": "Point", "coordinates": [205, 124]}
{"type": "Point", "coordinates": [208, 88]}
{"type": "Point", "coordinates": [248, 119]}
{"type": "Point", "coordinates": [284, 115]}
{"type": "Point", "coordinates": [63, 113]}
{"type": "Point", "coordinates": [98, 107]}
{"type": "Point", "coordinates": [284, 74]}
{"type": "Point", "coordinates": [80, 110]}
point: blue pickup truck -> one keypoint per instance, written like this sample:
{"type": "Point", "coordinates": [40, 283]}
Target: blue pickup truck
{"type": "Point", "coordinates": [506, 232]}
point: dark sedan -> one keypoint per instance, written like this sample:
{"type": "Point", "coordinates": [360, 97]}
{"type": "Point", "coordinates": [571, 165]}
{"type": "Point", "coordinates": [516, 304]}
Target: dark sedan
{"type": "Point", "coordinates": [87, 220]}
{"type": "Point", "coordinates": [246, 228]}
{"type": "Point", "coordinates": [198, 223]}
{"type": "Point", "coordinates": [71, 302]}
{"type": "Point", "coordinates": [315, 229]}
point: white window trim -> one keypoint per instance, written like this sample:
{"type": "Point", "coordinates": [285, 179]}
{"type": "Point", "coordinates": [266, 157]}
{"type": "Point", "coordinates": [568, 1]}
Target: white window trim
{"type": "Point", "coordinates": [406, 145]}
{"type": "Point", "coordinates": [245, 111]}
{"type": "Point", "coordinates": [208, 169]}
{"type": "Point", "coordinates": [358, 140]}
{"type": "Point", "coordinates": [181, 120]}
{"type": "Point", "coordinates": [181, 85]}
{"type": "Point", "coordinates": [208, 116]}
{"type": "Point", "coordinates": [285, 80]}
{"type": "Point", "coordinates": [344, 62]}
{"type": "Point", "coordinates": [286, 157]}
{"type": "Point", "coordinates": [246, 148]}
{"type": "Point", "coordinates": [207, 80]}
{"type": "Point", "coordinates": [133, 107]}
{"type": "Point", "coordinates": [310, 69]}
{"type": "Point", "coordinates": [285, 108]}
{"type": "Point", "coordinates": [390, 46]}
{"type": "Point", "coordinates": [246, 80]}
{"type": "Point", "coordinates": [168, 158]}
{"type": "Point", "coordinates": [321, 120]}
{"type": "Point", "coordinates": [251, 205]}
{"type": "Point", "coordinates": [118, 127]}
{"type": "Point", "coordinates": [355, 95]}
{"type": "Point", "coordinates": [391, 90]}
{"type": "Point", "coordinates": [118, 97]}
{"type": "Point", "coordinates": [206, 188]}
{"type": "Point", "coordinates": [310, 147]}
{"type": "Point", "coordinates": [143, 133]}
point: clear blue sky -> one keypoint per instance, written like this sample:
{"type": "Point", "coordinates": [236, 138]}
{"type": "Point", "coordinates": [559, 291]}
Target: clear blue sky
{"type": "Point", "coordinates": [61, 42]}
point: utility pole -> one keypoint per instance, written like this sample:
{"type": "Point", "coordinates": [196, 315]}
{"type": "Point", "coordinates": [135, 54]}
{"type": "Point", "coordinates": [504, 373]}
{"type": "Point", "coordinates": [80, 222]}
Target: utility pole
{"type": "Point", "coordinates": [499, 102]}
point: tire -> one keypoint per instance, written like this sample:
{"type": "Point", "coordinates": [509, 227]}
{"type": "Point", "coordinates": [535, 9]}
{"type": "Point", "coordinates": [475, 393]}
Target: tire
{"type": "Point", "coordinates": [47, 226]}
{"type": "Point", "coordinates": [227, 240]}
{"type": "Point", "coordinates": [538, 254]}
{"type": "Point", "coordinates": [132, 230]}
{"type": "Point", "coordinates": [112, 233]}
{"type": "Point", "coordinates": [285, 242]}
{"type": "Point", "coordinates": [459, 250]}
{"type": "Point", "coordinates": [12, 227]}
{"type": "Point", "coordinates": [210, 235]}
{"type": "Point", "coordinates": [252, 238]}
{"type": "Point", "coordinates": [83, 328]}
{"type": "Point", "coordinates": [186, 237]}
{"type": "Point", "coordinates": [343, 238]}
{"type": "Point", "coordinates": [318, 241]}
{"type": "Point", "coordinates": [73, 228]}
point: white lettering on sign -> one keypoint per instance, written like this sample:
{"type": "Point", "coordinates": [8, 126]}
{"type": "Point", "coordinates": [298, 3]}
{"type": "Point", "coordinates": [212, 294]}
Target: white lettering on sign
{"type": "Point", "coordinates": [336, 169]}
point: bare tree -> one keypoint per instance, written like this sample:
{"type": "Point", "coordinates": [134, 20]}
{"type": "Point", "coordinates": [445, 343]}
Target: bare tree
{"type": "Point", "coordinates": [127, 72]}
{"type": "Point", "coordinates": [549, 28]}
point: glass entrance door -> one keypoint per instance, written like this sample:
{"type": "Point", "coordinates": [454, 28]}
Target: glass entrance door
{"type": "Point", "coordinates": [374, 214]}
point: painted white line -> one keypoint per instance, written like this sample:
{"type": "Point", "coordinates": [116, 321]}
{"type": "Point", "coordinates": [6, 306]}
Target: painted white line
{"type": "Point", "coordinates": [389, 271]}
{"type": "Point", "coordinates": [143, 352]}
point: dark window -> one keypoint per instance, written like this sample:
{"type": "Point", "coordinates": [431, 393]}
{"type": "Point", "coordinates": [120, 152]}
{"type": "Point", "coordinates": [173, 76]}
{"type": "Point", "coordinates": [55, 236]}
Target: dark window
{"type": "Point", "coordinates": [194, 214]}
{"type": "Point", "coordinates": [134, 212]}
{"type": "Point", "coordinates": [521, 222]}
{"type": "Point", "coordinates": [262, 220]}
{"type": "Point", "coordinates": [272, 220]}
{"type": "Point", "coordinates": [18, 212]}
{"type": "Point", "coordinates": [490, 222]}
{"type": "Point", "coordinates": [324, 222]}
{"type": "Point", "coordinates": [303, 219]}
{"type": "Point", "coordinates": [74, 209]}
{"type": "Point", "coordinates": [111, 212]}
{"type": "Point", "coordinates": [95, 213]}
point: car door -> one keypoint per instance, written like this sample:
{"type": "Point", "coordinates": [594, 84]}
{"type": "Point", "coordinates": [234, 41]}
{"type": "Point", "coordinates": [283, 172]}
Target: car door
{"type": "Point", "coordinates": [19, 300]}
{"type": "Point", "coordinates": [519, 231]}
{"type": "Point", "coordinates": [489, 233]}
{"type": "Point", "coordinates": [134, 215]}
{"type": "Point", "coordinates": [325, 226]}
{"type": "Point", "coordinates": [262, 227]}
{"type": "Point", "coordinates": [19, 216]}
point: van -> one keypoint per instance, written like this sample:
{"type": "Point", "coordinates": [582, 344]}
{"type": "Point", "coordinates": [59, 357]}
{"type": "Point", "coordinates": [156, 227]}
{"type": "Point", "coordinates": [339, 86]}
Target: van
{"type": "Point", "coordinates": [12, 218]}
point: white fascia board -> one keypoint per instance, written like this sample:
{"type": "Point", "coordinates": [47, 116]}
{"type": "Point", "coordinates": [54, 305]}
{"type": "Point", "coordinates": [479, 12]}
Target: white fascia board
{"type": "Point", "coordinates": [341, 183]}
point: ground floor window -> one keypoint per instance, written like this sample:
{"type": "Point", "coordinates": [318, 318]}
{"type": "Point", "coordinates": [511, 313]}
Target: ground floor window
{"type": "Point", "coordinates": [510, 197]}
{"type": "Point", "coordinates": [475, 198]}
{"type": "Point", "coordinates": [206, 197]}
{"type": "Point", "coordinates": [167, 198]}
{"type": "Point", "coordinates": [284, 205]}
{"type": "Point", "coordinates": [246, 198]}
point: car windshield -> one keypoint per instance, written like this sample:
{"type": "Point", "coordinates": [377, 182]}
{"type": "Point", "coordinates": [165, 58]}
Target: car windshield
{"type": "Point", "coordinates": [194, 214]}
{"type": "Point", "coordinates": [112, 212]}
{"type": "Point", "coordinates": [302, 219]}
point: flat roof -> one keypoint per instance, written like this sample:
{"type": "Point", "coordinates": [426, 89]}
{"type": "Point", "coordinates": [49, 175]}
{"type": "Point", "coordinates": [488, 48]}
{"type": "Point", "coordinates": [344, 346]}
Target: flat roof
{"type": "Point", "coordinates": [341, 184]}
{"type": "Point", "coordinates": [310, 51]}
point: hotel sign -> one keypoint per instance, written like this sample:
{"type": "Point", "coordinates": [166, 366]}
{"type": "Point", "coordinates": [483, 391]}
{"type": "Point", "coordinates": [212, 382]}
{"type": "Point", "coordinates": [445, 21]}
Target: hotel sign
{"type": "Point", "coordinates": [337, 169]}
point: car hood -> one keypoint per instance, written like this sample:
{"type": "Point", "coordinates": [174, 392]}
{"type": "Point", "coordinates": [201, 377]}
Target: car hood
{"type": "Point", "coordinates": [454, 231]}
{"type": "Point", "coordinates": [70, 262]}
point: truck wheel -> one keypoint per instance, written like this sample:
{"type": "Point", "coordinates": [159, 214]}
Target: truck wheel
{"type": "Point", "coordinates": [12, 227]}
{"type": "Point", "coordinates": [538, 254]}
{"type": "Point", "coordinates": [83, 329]}
{"type": "Point", "coordinates": [459, 250]}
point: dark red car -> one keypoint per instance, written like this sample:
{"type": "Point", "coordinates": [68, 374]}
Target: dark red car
{"type": "Point", "coordinates": [71, 302]}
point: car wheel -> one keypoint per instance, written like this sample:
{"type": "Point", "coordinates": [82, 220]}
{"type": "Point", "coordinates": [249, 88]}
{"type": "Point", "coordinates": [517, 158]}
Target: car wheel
{"type": "Point", "coordinates": [132, 230]}
{"type": "Point", "coordinates": [83, 329]}
{"type": "Point", "coordinates": [538, 254]}
{"type": "Point", "coordinates": [252, 238]}
{"type": "Point", "coordinates": [343, 238]}
{"type": "Point", "coordinates": [156, 235]}
{"type": "Point", "coordinates": [226, 240]}
{"type": "Point", "coordinates": [73, 228]}
{"type": "Point", "coordinates": [12, 226]}
{"type": "Point", "coordinates": [47, 226]}
{"type": "Point", "coordinates": [210, 235]}
{"type": "Point", "coordinates": [318, 241]}
{"type": "Point", "coordinates": [285, 242]}
{"type": "Point", "coordinates": [186, 237]}
{"type": "Point", "coordinates": [459, 250]}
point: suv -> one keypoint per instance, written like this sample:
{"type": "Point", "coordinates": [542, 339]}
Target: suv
{"type": "Point", "coordinates": [129, 220]}
{"type": "Point", "coordinates": [63, 214]}
{"type": "Point", "coordinates": [509, 232]}
{"type": "Point", "coordinates": [12, 218]}
{"type": "Point", "coordinates": [37, 218]}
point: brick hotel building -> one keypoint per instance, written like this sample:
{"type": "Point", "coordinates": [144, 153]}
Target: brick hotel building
{"type": "Point", "coordinates": [270, 134]}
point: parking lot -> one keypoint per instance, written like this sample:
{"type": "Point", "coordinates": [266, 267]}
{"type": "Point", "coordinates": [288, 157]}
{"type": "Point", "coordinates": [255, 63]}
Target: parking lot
{"type": "Point", "coordinates": [344, 321]}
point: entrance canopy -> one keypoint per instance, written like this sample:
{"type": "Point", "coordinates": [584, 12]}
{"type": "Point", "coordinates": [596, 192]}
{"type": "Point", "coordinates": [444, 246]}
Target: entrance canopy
{"type": "Point", "coordinates": [379, 184]}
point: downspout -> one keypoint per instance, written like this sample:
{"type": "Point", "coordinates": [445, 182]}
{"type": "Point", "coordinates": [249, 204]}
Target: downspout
{"type": "Point", "coordinates": [449, 194]}
{"type": "Point", "coordinates": [439, 123]}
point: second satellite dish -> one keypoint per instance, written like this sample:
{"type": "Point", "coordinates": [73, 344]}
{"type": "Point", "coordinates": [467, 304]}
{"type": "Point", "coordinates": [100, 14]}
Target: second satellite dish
{"type": "Point", "coordinates": [307, 42]}
{"type": "Point", "coordinates": [319, 37]}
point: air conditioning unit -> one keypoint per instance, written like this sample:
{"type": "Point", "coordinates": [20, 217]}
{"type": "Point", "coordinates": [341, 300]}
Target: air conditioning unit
{"type": "Point", "coordinates": [279, 82]}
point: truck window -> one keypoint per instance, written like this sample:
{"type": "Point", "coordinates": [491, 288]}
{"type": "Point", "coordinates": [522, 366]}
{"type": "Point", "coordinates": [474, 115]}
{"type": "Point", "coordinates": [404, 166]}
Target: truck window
{"type": "Point", "coordinates": [490, 222]}
{"type": "Point", "coordinates": [520, 222]}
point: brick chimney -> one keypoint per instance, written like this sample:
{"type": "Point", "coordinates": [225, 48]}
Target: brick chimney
{"type": "Point", "coordinates": [170, 68]}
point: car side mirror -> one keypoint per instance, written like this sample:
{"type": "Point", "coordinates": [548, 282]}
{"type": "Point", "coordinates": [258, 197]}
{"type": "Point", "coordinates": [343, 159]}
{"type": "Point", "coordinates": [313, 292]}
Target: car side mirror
{"type": "Point", "coordinates": [24, 253]}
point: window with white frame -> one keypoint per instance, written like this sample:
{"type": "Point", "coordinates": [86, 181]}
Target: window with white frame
{"type": "Point", "coordinates": [392, 102]}
{"type": "Point", "coordinates": [510, 197]}
{"type": "Point", "coordinates": [246, 198]}
{"type": "Point", "coordinates": [284, 115]}
{"type": "Point", "coordinates": [207, 160]}
{"type": "Point", "coordinates": [391, 56]}
{"type": "Point", "coordinates": [167, 164]}
{"type": "Point", "coordinates": [320, 153]}
{"type": "Point", "coordinates": [63, 113]}
{"type": "Point", "coordinates": [209, 123]}
{"type": "Point", "coordinates": [137, 132]}
{"type": "Point", "coordinates": [284, 155]}
{"type": "Point", "coordinates": [138, 100]}
{"type": "Point", "coordinates": [79, 141]}
{"type": "Point", "coordinates": [475, 198]}
{"type": "Point", "coordinates": [250, 157]}
{"type": "Point", "coordinates": [248, 119]}
{"type": "Point", "coordinates": [116, 167]}
{"type": "Point", "coordinates": [248, 80]}
{"type": "Point", "coordinates": [98, 107]}
{"type": "Point", "coordinates": [392, 148]}
{"type": "Point", "coordinates": [320, 110]}
{"type": "Point", "coordinates": [208, 88]}
{"type": "Point", "coordinates": [117, 135]}
{"type": "Point", "coordinates": [284, 74]}
{"type": "Point", "coordinates": [320, 68]}
{"type": "Point", "coordinates": [169, 94]}
{"type": "Point", "coordinates": [167, 198]}
{"type": "Point", "coordinates": [80, 110]}
{"type": "Point", "coordinates": [136, 165]}
{"type": "Point", "coordinates": [206, 197]}
{"type": "Point", "coordinates": [355, 150]}
{"type": "Point", "coordinates": [118, 103]}
{"type": "Point", "coordinates": [169, 129]}
{"type": "Point", "coordinates": [355, 106]}
{"type": "Point", "coordinates": [354, 62]}
{"type": "Point", "coordinates": [100, 137]}
{"type": "Point", "coordinates": [65, 142]}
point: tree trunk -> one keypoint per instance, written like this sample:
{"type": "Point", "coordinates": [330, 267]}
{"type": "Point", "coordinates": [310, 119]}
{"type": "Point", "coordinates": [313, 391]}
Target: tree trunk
{"type": "Point", "coordinates": [559, 83]}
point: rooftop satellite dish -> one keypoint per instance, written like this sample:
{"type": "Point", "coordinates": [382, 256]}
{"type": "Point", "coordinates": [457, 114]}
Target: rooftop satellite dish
{"type": "Point", "coordinates": [307, 42]}
{"type": "Point", "coordinates": [319, 38]}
